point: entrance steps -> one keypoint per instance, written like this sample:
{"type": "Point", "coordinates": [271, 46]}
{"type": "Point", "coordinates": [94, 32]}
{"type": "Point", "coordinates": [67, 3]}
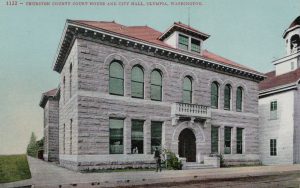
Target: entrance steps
{"type": "Point", "coordinates": [195, 165]}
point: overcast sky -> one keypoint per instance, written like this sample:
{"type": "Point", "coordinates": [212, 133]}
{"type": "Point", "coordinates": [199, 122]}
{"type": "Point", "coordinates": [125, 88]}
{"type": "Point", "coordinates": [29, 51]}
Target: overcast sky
{"type": "Point", "coordinates": [248, 32]}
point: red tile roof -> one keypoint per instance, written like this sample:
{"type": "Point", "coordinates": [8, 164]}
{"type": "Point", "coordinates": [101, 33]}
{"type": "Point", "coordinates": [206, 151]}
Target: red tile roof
{"type": "Point", "coordinates": [46, 95]}
{"type": "Point", "coordinates": [273, 81]}
{"type": "Point", "coordinates": [148, 34]}
{"type": "Point", "coordinates": [51, 93]}
{"type": "Point", "coordinates": [189, 28]}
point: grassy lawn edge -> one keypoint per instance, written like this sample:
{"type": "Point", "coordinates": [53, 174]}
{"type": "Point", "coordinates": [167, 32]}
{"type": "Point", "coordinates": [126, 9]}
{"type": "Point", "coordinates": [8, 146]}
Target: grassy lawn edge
{"type": "Point", "coordinates": [14, 168]}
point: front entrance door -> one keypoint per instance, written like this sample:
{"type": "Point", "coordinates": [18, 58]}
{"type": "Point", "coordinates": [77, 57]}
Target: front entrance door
{"type": "Point", "coordinates": [187, 145]}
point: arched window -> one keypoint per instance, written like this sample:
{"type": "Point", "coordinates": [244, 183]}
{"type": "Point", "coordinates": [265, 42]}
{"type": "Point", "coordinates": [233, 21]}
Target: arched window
{"type": "Point", "coordinates": [187, 90]}
{"type": "Point", "coordinates": [116, 78]}
{"type": "Point", "coordinates": [227, 97]}
{"type": "Point", "coordinates": [64, 88]}
{"type": "Point", "coordinates": [214, 96]}
{"type": "Point", "coordinates": [239, 99]}
{"type": "Point", "coordinates": [156, 85]}
{"type": "Point", "coordinates": [295, 42]}
{"type": "Point", "coordinates": [137, 82]}
{"type": "Point", "coordinates": [70, 83]}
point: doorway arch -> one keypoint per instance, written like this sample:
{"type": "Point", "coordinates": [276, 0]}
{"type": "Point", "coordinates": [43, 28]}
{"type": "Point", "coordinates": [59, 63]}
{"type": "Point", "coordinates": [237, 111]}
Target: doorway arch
{"type": "Point", "coordinates": [187, 145]}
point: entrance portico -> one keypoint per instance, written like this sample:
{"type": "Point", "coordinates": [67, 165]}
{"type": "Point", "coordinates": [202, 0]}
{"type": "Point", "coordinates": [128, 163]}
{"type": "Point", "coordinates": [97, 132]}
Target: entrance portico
{"type": "Point", "coordinates": [188, 140]}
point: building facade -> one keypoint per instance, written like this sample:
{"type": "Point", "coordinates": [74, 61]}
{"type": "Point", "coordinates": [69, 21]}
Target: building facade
{"type": "Point", "coordinates": [279, 100]}
{"type": "Point", "coordinates": [125, 90]}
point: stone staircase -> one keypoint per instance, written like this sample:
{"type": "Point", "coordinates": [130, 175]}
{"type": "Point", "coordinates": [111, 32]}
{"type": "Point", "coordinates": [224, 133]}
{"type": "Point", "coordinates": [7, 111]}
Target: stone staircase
{"type": "Point", "coordinates": [195, 165]}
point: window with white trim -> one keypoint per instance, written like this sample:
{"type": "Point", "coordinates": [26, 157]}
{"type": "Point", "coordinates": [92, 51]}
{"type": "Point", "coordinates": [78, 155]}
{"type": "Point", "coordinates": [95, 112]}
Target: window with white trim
{"type": "Point", "coordinates": [273, 110]}
{"type": "Point", "coordinates": [195, 45]}
{"type": "Point", "coordinates": [183, 42]}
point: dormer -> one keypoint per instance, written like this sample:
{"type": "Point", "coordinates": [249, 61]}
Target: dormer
{"type": "Point", "coordinates": [184, 37]}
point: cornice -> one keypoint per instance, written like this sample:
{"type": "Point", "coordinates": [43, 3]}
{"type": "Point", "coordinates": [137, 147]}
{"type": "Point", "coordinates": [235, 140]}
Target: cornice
{"type": "Point", "coordinates": [74, 30]}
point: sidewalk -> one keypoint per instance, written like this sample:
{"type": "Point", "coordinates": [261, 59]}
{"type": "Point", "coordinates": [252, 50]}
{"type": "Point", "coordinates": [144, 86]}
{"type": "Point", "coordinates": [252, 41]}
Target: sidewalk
{"type": "Point", "coordinates": [46, 174]}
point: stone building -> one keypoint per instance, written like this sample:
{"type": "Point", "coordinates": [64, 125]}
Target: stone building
{"type": "Point", "coordinates": [125, 90]}
{"type": "Point", "coordinates": [279, 100]}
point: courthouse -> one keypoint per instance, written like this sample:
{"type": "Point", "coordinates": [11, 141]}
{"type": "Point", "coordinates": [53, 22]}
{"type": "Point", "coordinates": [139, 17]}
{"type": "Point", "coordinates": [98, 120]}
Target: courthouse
{"type": "Point", "coordinates": [125, 90]}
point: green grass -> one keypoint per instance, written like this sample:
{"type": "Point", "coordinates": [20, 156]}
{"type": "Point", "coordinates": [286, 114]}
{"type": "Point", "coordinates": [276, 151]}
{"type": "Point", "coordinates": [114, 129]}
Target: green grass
{"type": "Point", "coordinates": [13, 168]}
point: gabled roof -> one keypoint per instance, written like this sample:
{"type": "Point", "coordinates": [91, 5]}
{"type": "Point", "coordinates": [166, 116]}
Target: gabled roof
{"type": "Point", "coordinates": [272, 81]}
{"type": "Point", "coordinates": [178, 26]}
{"type": "Point", "coordinates": [49, 94]}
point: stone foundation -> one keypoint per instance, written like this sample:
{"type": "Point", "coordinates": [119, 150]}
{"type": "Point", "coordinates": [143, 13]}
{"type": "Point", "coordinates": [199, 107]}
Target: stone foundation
{"type": "Point", "coordinates": [241, 160]}
{"type": "Point", "coordinates": [99, 162]}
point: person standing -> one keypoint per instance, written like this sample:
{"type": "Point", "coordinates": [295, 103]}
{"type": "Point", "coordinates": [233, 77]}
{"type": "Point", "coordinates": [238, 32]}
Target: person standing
{"type": "Point", "coordinates": [157, 158]}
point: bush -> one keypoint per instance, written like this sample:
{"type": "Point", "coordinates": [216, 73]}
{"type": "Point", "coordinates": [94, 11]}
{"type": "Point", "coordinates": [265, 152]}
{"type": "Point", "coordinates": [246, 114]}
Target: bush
{"type": "Point", "coordinates": [34, 146]}
{"type": "Point", "coordinates": [172, 161]}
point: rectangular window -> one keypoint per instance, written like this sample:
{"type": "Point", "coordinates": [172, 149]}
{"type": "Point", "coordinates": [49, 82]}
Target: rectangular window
{"type": "Point", "coordinates": [195, 45]}
{"type": "Point", "coordinates": [137, 136]}
{"type": "Point", "coordinates": [71, 121]}
{"type": "Point", "coordinates": [273, 147]}
{"type": "Point", "coordinates": [239, 140]}
{"type": "Point", "coordinates": [116, 136]}
{"type": "Point", "coordinates": [214, 139]}
{"type": "Point", "coordinates": [64, 139]}
{"type": "Point", "coordinates": [273, 110]}
{"type": "Point", "coordinates": [156, 132]}
{"type": "Point", "coordinates": [227, 140]}
{"type": "Point", "coordinates": [183, 42]}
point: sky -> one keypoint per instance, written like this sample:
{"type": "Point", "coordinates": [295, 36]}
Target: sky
{"type": "Point", "coordinates": [248, 32]}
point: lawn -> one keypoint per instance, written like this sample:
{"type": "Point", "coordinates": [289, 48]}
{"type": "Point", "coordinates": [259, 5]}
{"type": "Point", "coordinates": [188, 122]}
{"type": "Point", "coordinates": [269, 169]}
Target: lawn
{"type": "Point", "coordinates": [13, 168]}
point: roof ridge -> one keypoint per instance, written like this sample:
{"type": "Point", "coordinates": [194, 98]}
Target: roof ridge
{"type": "Point", "coordinates": [113, 21]}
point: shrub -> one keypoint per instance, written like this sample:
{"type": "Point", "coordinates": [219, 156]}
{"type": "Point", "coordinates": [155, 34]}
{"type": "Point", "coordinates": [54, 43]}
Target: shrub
{"type": "Point", "coordinates": [32, 148]}
{"type": "Point", "coordinates": [172, 161]}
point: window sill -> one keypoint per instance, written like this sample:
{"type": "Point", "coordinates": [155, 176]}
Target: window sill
{"type": "Point", "coordinates": [137, 97]}
{"type": "Point", "coordinates": [155, 100]}
{"type": "Point", "coordinates": [117, 94]}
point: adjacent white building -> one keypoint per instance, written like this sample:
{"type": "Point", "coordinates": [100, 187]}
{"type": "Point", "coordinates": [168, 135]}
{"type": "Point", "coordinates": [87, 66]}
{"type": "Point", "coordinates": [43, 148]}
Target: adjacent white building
{"type": "Point", "coordinates": [279, 99]}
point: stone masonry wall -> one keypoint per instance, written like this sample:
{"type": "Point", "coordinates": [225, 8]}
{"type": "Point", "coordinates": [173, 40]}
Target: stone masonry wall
{"type": "Point", "coordinates": [68, 120]}
{"type": "Point", "coordinates": [51, 148]}
{"type": "Point", "coordinates": [93, 105]}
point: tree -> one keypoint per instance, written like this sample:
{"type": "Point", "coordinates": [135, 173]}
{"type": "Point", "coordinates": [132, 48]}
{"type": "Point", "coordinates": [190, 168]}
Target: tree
{"type": "Point", "coordinates": [32, 147]}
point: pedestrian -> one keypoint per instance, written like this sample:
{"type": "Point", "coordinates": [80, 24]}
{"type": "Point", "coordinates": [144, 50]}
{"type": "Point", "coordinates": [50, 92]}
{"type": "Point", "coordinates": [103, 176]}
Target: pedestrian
{"type": "Point", "coordinates": [157, 158]}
